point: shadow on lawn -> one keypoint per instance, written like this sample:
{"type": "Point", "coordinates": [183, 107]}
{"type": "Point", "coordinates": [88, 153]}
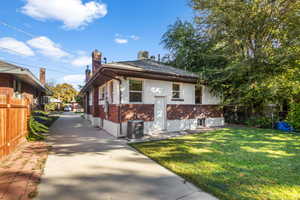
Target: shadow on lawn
{"type": "Point", "coordinates": [233, 163]}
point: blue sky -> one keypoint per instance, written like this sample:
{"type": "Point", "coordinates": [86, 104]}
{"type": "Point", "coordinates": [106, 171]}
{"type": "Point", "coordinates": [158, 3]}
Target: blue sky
{"type": "Point", "coordinates": [61, 34]}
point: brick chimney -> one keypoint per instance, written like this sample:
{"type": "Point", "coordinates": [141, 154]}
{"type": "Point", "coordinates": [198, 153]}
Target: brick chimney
{"type": "Point", "coordinates": [142, 55]}
{"type": "Point", "coordinates": [87, 74]}
{"type": "Point", "coordinates": [43, 76]}
{"type": "Point", "coordinates": [96, 56]}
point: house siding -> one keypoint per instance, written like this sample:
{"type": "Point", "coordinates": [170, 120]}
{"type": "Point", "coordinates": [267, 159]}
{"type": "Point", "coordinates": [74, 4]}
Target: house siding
{"type": "Point", "coordinates": [6, 88]}
{"type": "Point", "coordinates": [180, 115]}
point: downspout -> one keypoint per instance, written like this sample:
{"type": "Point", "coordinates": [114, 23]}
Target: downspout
{"type": "Point", "coordinates": [120, 100]}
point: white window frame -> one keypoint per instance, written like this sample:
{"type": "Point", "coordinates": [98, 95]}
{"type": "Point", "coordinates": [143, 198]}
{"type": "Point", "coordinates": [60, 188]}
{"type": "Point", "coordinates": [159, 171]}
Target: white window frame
{"type": "Point", "coordinates": [129, 91]}
{"type": "Point", "coordinates": [180, 91]}
{"type": "Point", "coordinates": [101, 93]}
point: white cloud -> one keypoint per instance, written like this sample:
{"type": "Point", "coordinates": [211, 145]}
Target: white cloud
{"type": "Point", "coordinates": [73, 13]}
{"type": "Point", "coordinates": [82, 61]}
{"type": "Point", "coordinates": [47, 47]}
{"type": "Point", "coordinates": [75, 79]}
{"type": "Point", "coordinates": [134, 37]}
{"type": "Point", "coordinates": [14, 46]}
{"type": "Point", "coordinates": [121, 41]}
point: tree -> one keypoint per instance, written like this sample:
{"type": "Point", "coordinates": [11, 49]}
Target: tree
{"type": "Point", "coordinates": [259, 41]}
{"type": "Point", "coordinates": [191, 50]}
{"type": "Point", "coordinates": [64, 92]}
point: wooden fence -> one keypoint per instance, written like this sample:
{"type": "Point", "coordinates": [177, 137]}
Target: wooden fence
{"type": "Point", "coordinates": [14, 116]}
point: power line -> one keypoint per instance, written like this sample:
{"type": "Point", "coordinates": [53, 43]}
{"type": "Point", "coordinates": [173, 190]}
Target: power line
{"type": "Point", "coordinates": [32, 66]}
{"type": "Point", "coordinates": [30, 35]}
{"type": "Point", "coordinates": [17, 29]}
{"type": "Point", "coordinates": [14, 62]}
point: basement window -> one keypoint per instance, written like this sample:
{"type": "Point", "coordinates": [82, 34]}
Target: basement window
{"type": "Point", "coordinates": [135, 91]}
{"type": "Point", "coordinates": [201, 122]}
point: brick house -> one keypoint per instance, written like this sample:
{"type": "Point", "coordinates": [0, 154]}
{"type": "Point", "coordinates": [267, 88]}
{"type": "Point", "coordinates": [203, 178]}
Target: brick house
{"type": "Point", "coordinates": [19, 82]}
{"type": "Point", "coordinates": [164, 97]}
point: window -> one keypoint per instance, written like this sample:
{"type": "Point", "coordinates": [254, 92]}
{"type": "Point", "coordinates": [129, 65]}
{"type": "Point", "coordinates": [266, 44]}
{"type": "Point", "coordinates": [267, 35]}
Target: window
{"type": "Point", "coordinates": [198, 95]}
{"type": "Point", "coordinates": [135, 91]}
{"type": "Point", "coordinates": [201, 122]}
{"type": "Point", "coordinates": [176, 91]}
{"type": "Point", "coordinates": [101, 93]}
{"type": "Point", "coordinates": [17, 88]}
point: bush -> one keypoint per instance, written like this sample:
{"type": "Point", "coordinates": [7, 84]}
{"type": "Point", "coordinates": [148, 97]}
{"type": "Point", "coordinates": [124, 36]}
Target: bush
{"type": "Point", "coordinates": [51, 107]}
{"type": "Point", "coordinates": [38, 124]}
{"type": "Point", "coordinates": [35, 130]}
{"type": "Point", "coordinates": [293, 116]}
{"type": "Point", "coordinates": [260, 122]}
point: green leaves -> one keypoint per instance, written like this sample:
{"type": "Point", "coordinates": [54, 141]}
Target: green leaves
{"type": "Point", "coordinates": [64, 92]}
{"type": "Point", "coordinates": [249, 51]}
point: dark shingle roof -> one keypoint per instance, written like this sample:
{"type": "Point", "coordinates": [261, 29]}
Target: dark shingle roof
{"type": "Point", "coordinates": [150, 65]}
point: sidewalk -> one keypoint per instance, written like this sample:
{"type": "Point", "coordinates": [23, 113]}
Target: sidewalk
{"type": "Point", "coordinates": [89, 164]}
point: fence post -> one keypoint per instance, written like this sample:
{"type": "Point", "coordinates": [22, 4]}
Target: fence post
{"type": "Point", "coordinates": [7, 134]}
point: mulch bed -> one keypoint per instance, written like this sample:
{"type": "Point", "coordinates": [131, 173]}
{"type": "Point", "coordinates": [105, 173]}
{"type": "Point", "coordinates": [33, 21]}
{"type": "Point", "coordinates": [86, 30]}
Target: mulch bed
{"type": "Point", "coordinates": [21, 172]}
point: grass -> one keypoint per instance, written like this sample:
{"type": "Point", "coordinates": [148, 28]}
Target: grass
{"type": "Point", "coordinates": [234, 163]}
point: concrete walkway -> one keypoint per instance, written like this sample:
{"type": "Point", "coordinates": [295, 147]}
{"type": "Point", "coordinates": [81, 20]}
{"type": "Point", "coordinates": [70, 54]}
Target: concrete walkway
{"type": "Point", "coordinates": [88, 164]}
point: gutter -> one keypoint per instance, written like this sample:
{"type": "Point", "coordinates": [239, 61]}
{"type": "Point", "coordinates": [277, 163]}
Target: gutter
{"type": "Point", "coordinates": [145, 71]}
{"type": "Point", "coordinates": [120, 99]}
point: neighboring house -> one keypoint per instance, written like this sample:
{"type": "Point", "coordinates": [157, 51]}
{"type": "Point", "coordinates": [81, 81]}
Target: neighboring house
{"type": "Point", "coordinates": [19, 82]}
{"type": "Point", "coordinates": [164, 97]}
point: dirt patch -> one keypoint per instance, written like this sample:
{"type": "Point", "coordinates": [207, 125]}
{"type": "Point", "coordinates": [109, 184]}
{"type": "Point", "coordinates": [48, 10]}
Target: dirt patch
{"type": "Point", "coordinates": [21, 172]}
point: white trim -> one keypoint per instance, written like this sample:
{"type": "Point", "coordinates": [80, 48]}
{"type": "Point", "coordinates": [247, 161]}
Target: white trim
{"type": "Point", "coordinates": [143, 90]}
{"type": "Point", "coordinates": [180, 90]}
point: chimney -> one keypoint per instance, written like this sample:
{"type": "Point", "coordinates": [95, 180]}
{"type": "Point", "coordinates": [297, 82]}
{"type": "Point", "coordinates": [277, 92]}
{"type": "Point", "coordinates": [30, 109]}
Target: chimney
{"type": "Point", "coordinates": [87, 74]}
{"type": "Point", "coordinates": [43, 76]}
{"type": "Point", "coordinates": [142, 55]}
{"type": "Point", "coordinates": [96, 56]}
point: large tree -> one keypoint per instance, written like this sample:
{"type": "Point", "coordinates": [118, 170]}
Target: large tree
{"type": "Point", "coordinates": [260, 40]}
{"type": "Point", "coordinates": [64, 92]}
{"type": "Point", "coordinates": [190, 49]}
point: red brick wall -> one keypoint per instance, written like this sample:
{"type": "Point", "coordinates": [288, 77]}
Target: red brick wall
{"type": "Point", "coordinates": [101, 112]}
{"type": "Point", "coordinates": [192, 111]}
{"type": "Point", "coordinates": [95, 110]}
{"type": "Point", "coordinates": [113, 113]}
{"type": "Point", "coordinates": [6, 86]}
{"type": "Point", "coordinates": [137, 111]}
{"type": "Point", "coordinates": [146, 112]}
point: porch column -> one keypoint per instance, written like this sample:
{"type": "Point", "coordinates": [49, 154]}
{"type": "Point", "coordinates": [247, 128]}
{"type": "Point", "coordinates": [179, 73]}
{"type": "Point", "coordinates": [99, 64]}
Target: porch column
{"type": "Point", "coordinates": [95, 101]}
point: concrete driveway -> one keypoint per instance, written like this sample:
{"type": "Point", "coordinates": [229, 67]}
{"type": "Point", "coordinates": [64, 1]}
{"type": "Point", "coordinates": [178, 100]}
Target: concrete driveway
{"type": "Point", "coordinates": [88, 164]}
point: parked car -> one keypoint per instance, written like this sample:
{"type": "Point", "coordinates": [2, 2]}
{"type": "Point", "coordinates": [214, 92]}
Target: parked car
{"type": "Point", "coordinates": [68, 108]}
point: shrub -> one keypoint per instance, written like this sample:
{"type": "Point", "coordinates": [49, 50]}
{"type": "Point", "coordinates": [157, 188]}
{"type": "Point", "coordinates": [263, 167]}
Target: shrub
{"type": "Point", "coordinates": [293, 116]}
{"type": "Point", "coordinates": [38, 124]}
{"type": "Point", "coordinates": [260, 122]}
{"type": "Point", "coordinates": [35, 130]}
{"type": "Point", "coordinates": [51, 107]}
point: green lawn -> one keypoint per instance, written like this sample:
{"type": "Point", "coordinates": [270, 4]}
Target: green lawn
{"type": "Point", "coordinates": [234, 163]}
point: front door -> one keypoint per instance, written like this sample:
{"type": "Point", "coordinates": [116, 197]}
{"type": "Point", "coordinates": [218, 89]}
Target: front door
{"type": "Point", "coordinates": [160, 114]}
